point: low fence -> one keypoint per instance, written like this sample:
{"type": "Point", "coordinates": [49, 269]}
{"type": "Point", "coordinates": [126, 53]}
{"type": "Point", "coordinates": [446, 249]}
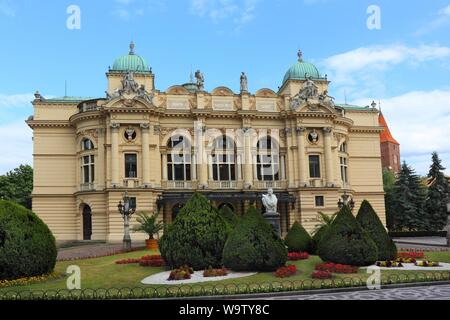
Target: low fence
{"type": "Point", "coordinates": [205, 290]}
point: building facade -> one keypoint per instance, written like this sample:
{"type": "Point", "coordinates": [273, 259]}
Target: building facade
{"type": "Point", "coordinates": [161, 146]}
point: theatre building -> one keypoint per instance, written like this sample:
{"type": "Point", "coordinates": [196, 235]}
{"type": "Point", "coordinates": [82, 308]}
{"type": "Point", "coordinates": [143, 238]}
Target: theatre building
{"type": "Point", "coordinates": [162, 145]}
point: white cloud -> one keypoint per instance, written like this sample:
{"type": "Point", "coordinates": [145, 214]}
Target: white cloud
{"type": "Point", "coordinates": [127, 9]}
{"type": "Point", "coordinates": [6, 8]}
{"type": "Point", "coordinates": [16, 100]}
{"type": "Point", "coordinates": [442, 19]}
{"type": "Point", "coordinates": [16, 145]}
{"type": "Point", "coordinates": [367, 65]}
{"type": "Point", "coordinates": [239, 13]}
{"type": "Point", "coordinates": [420, 121]}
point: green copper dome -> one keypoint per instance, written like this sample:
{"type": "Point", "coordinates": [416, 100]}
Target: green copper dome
{"type": "Point", "coordinates": [301, 70]}
{"type": "Point", "coordinates": [131, 62]}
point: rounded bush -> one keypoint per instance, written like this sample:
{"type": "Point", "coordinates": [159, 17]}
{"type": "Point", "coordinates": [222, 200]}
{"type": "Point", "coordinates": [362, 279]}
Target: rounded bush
{"type": "Point", "coordinates": [371, 223]}
{"type": "Point", "coordinates": [253, 245]}
{"type": "Point", "coordinates": [197, 236]}
{"type": "Point", "coordinates": [298, 239]}
{"type": "Point", "coordinates": [346, 242]}
{"type": "Point", "coordinates": [27, 246]}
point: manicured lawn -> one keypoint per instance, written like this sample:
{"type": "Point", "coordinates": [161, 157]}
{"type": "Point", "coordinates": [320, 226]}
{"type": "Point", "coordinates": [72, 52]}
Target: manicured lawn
{"type": "Point", "coordinates": [104, 273]}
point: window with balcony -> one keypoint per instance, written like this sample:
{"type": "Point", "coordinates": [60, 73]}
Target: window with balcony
{"type": "Point", "coordinates": [268, 160]}
{"type": "Point", "coordinates": [130, 165]}
{"type": "Point", "coordinates": [314, 167]}
{"type": "Point", "coordinates": [179, 159]}
{"type": "Point", "coordinates": [224, 159]}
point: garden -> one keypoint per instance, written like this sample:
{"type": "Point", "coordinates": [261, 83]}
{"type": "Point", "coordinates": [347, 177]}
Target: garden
{"type": "Point", "coordinates": [207, 251]}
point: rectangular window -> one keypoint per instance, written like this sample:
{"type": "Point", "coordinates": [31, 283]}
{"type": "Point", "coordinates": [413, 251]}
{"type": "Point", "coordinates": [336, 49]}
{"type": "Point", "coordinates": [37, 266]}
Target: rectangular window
{"type": "Point", "coordinates": [344, 170]}
{"type": "Point", "coordinates": [320, 201]}
{"type": "Point", "coordinates": [88, 169]}
{"type": "Point", "coordinates": [314, 166]}
{"type": "Point", "coordinates": [133, 203]}
{"type": "Point", "coordinates": [130, 165]}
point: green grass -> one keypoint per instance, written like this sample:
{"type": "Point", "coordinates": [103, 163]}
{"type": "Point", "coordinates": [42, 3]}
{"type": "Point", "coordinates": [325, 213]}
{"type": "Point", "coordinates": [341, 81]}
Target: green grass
{"type": "Point", "coordinates": [104, 273]}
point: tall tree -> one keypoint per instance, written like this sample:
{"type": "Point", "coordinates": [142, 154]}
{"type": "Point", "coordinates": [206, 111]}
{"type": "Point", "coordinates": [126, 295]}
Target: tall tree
{"type": "Point", "coordinates": [438, 192]}
{"type": "Point", "coordinates": [17, 185]}
{"type": "Point", "coordinates": [409, 195]}
{"type": "Point", "coordinates": [389, 186]}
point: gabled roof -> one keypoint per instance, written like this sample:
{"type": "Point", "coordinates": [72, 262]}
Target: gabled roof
{"type": "Point", "coordinates": [386, 135]}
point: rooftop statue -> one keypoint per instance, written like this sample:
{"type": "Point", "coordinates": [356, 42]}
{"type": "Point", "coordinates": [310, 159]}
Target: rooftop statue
{"type": "Point", "coordinates": [129, 84]}
{"type": "Point", "coordinates": [200, 80]}
{"type": "Point", "coordinates": [244, 82]}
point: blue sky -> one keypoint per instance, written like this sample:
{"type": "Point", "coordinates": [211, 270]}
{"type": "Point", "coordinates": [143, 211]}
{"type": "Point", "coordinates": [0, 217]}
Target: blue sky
{"type": "Point", "coordinates": [405, 64]}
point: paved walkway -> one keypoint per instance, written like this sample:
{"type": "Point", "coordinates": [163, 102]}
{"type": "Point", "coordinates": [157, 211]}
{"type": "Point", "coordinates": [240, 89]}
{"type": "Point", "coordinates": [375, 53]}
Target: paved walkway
{"type": "Point", "coordinates": [424, 241]}
{"type": "Point", "coordinates": [440, 292]}
{"type": "Point", "coordinates": [91, 251]}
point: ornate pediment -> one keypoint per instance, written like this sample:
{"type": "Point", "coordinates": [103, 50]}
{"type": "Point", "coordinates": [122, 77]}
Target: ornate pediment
{"type": "Point", "coordinates": [131, 92]}
{"type": "Point", "coordinates": [310, 100]}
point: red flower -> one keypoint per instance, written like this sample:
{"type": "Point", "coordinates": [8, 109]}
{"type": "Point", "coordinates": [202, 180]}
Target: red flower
{"type": "Point", "coordinates": [294, 256]}
{"type": "Point", "coordinates": [287, 271]}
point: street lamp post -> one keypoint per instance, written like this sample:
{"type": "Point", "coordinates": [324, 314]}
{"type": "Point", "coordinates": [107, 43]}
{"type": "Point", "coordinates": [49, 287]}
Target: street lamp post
{"type": "Point", "coordinates": [126, 211]}
{"type": "Point", "coordinates": [345, 200]}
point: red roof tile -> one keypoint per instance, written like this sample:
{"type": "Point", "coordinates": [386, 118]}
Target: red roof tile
{"type": "Point", "coordinates": [386, 135]}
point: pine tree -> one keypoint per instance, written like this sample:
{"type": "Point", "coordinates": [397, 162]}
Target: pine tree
{"type": "Point", "coordinates": [436, 203]}
{"type": "Point", "coordinates": [409, 196]}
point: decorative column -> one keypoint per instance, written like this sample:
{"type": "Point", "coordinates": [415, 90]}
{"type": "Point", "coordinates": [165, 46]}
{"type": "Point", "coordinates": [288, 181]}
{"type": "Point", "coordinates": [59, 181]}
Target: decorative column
{"type": "Point", "coordinates": [328, 156]}
{"type": "Point", "coordinates": [115, 154]}
{"type": "Point", "coordinates": [302, 156]}
{"type": "Point", "coordinates": [290, 160]}
{"type": "Point", "coordinates": [164, 167]}
{"type": "Point", "coordinates": [248, 161]}
{"type": "Point", "coordinates": [145, 129]}
{"type": "Point", "coordinates": [154, 164]}
{"type": "Point", "coordinates": [100, 163]}
{"type": "Point", "coordinates": [202, 157]}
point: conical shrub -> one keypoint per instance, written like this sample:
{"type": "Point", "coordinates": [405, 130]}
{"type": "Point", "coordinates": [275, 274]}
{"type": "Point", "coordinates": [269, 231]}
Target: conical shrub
{"type": "Point", "coordinates": [298, 239]}
{"type": "Point", "coordinates": [197, 236]}
{"type": "Point", "coordinates": [346, 242]}
{"type": "Point", "coordinates": [370, 222]}
{"type": "Point", "coordinates": [253, 245]}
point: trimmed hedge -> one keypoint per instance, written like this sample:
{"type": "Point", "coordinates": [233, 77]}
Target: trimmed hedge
{"type": "Point", "coordinates": [253, 245]}
{"type": "Point", "coordinates": [228, 215]}
{"type": "Point", "coordinates": [27, 246]}
{"type": "Point", "coordinates": [371, 223]}
{"type": "Point", "coordinates": [346, 242]}
{"type": "Point", "coordinates": [197, 236]}
{"type": "Point", "coordinates": [298, 239]}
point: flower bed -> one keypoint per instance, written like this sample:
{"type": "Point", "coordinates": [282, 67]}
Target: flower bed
{"type": "Point", "coordinates": [389, 264]}
{"type": "Point", "coordinates": [182, 273]}
{"type": "Point", "coordinates": [321, 274]}
{"type": "Point", "coordinates": [426, 263]}
{"type": "Point", "coordinates": [285, 272]}
{"type": "Point", "coordinates": [336, 268]}
{"type": "Point", "coordinates": [145, 261]}
{"type": "Point", "coordinates": [411, 255]}
{"type": "Point", "coordinates": [210, 272]}
{"type": "Point", "coordinates": [295, 256]}
{"type": "Point", "coordinates": [29, 280]}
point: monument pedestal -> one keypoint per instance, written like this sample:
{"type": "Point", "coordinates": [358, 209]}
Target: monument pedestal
{"type": "Point", "coordinates": [274, 218]}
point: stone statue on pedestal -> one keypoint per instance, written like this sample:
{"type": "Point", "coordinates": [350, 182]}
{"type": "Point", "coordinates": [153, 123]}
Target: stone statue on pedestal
{"type": "Point", "coordinates": [270, 202]}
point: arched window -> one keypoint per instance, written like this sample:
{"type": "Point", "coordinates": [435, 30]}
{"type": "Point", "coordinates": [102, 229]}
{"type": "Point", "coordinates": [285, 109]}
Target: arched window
{"type": "Point", "coordinates": [268, 160]}
{"type": "Point", "coordinates": [224, 159]}
{"type": "Point", "coordinates": [87, 144]}
{"type": "Point", "coordinates": [87, 164]}
{"type": "Point", "coordinates": [179, 159]}
{"type": "Point", "coordinates": [228, 205]}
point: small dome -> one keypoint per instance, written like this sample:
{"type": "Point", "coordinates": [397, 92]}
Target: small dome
{"type": "Point", "coordinates": [131, 62]}
{"type": "Point", "coordinates": [301, 69]}
{"type": "Point", "coordinates": [191, 87]}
